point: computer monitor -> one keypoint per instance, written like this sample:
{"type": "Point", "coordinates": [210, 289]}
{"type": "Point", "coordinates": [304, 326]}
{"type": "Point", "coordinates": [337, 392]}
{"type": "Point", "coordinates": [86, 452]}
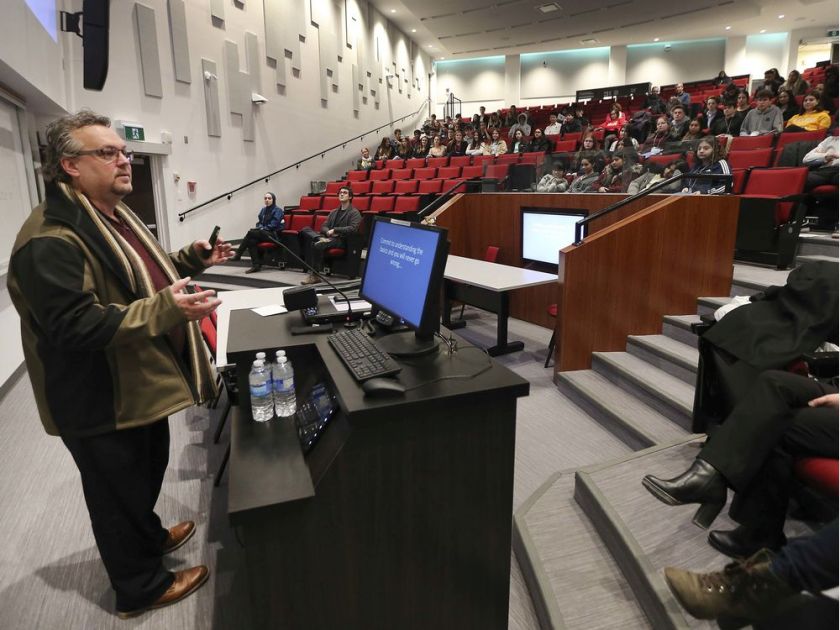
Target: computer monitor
{"type": "Point", "coordinates": [546, 232]}
{"type": "Point", "coordinates": [403, 277]}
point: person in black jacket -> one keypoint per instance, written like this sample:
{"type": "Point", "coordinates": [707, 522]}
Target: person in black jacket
{"type": "Point", "coordinates": [539, 143]}
{"type": "Point", "coordinates": [341, 222]}
{"type": "Point", "coordinates": [730, 123]}
{"type": "Point", "coordinates": [270, 222]}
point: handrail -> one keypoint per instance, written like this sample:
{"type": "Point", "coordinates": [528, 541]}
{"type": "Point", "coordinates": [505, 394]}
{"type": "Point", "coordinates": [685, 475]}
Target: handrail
{"type": "Point", "coordinates": [440, 199]}
{"type": "Point", "coordinates": [265, 178]}
{"type": "Point", "coordinates": [644, 193]}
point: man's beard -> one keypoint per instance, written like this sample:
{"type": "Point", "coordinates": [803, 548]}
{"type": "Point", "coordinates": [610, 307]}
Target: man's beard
{"type": "Point", "coordinates": [121, 188]}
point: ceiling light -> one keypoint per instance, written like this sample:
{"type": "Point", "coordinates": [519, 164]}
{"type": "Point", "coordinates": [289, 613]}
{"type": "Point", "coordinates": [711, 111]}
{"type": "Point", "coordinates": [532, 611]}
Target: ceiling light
{"type": "Point", "coordinates": [548, 8]}
{"type": "Point", "coordinates": [393, 10]}
{"type": "Point", "coordinates": [589, 41]}
{"type": "Point", "coordinates": [430, 45]}
{"type": "Point", "coordinates": [764, 30]}
{"type": "Point", "coordinates": [656, 39]}
{"type": "Point", "coordinates": [728, 28]}
{"type": "Point", "coordinates": [414, 30]}
{"type": "Point", "coordinates": [782, 16]}
{"type": "Point", "coordinates": [442, 57]}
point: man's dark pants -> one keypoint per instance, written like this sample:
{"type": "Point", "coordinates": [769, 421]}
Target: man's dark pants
{"type": "Point", "coordinates": [254, 236]}
{"type": "Point", "coordinates": [313, 249]}
{"type": "Point", "coordinates": [122, 474]}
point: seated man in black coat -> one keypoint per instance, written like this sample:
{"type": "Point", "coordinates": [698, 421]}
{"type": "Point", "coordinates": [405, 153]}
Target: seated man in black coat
{"type": "Point", "coordinates": [342, 221]}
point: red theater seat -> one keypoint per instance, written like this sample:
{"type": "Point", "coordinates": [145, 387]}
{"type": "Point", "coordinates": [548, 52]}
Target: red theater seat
{"type": "Point", "coordinates": [405, 187]}
{"type": "Point", "coordinates": [382, 188]}
{"type": "Point", "coordinates": [395, 163]}
{"type": "Point", "coordinates": [415, 163]}
{"type": "Point", "coordinates": [747, 143]}
{"type": "Point", "coordinates": [755, 158]}
{"type": "Point", "coordinates": [437, 162]}
{"type": "Point", "coordinates": [357, 176]}
{"type": "Point", "coordinates": [449, 172]}
{"type": "Point", "coordinates": [362, 204]}
{"type": "Point", "coordinates": [819, 473]}
{"type": "Point", "coordinates": [401, 173]}
{"type": "Point", "coordinates": [361, 188]}
{"type": "Point", "coordinates": [320, 219]}
{"type": "Point", "coordinates": [334, 187]}
{"type": "Point", "coordinates": [330, 203]}
{"type": "Point", "coordinates": [564, 146]}
{"type": "Point", "coordinates": [380, 175]}
{"type": "Point", "coordinates": [406, 204]}
{"type": "Point", "coordinates": [461, 160]}
{"type": "Point", "coordinates": [471, 172]}
{"type": "Point", "coordinates": [425, 173]}
{"type": "Point", "coordinates": [382, 204]}
{"type": "Point", "coordinates": [430, 186]}
{"type": "Point", "coordinates": [310, 203]}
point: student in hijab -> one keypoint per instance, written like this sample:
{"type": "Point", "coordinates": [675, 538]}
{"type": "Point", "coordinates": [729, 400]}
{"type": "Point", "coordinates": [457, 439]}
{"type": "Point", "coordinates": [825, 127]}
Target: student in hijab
{"type": "Point", "coordinates": [270, 222]}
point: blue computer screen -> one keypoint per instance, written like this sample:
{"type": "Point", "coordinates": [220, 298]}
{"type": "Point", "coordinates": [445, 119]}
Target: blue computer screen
{"type": "Point", "coordinates": [398, 268]}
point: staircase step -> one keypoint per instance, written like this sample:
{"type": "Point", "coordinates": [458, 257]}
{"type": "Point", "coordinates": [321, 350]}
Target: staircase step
{"type": "Point", "coordinates": [750, 279]}
{"type": "Point", "coordinates": [817, 244]}
{"type": "Point", "coordinates": [644, 535]}
{"type": "Point", "coordinates": [620, 412]}
{"type": "Point", "coordinates": [815, 258]}
{"type": "Point", "coordinates": [573, 580]}
{"type": "Point", "coordinates": [670, 355]}
{"type": "Point", "coordinates": [708, 305]}
{"type": "Point", "coordinates": [679, 327]}
{"type": "Point", "coordinates": [669, 395]}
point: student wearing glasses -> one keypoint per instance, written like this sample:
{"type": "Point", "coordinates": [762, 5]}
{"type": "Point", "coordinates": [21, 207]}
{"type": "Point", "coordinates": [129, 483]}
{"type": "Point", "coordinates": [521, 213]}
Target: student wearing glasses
{"type": "Point", "coordinates": [270, 222]}
{"type": "Point", "coordinates": [341, 222]}
{"type": "Point", "coordinates": [112, 347]}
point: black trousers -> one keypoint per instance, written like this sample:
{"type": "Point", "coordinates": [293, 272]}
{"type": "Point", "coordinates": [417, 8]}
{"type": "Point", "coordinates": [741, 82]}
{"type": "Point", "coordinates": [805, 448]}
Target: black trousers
{"type": "Point", "coordinates": [122, 474]}
{"type": "Point", "coordinates": [755, 447]}
{"type": "Point", "coordinates": [249, 242]}
{"type": "Point", "coordinates": [313, 249]}
{"type": "Point", "coordinates": [822, 176]}
{"type": "Point", "coordinates": [809, 563]}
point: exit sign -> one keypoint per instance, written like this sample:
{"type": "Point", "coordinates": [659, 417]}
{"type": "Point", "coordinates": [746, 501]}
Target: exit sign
{"type": "Point", "coordinates": [134, 132]}
{"type": "Point", "coordinates": [832, 33]}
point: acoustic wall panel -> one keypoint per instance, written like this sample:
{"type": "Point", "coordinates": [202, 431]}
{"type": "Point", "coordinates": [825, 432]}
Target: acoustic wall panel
{"type": "Point", "coordinates": [210, 76]}
{"type": "Point", "coordinates": [146, 31]}
{"type": "Point", "coordinates": [217, 9]}
{"type": "Point", "coordinates": [180, 42]}
{"type": "Point", "coordinates": [285, 26]}
{"type": "Point", "coordinates": [252, 56]}
{"type": "Point", "coordinates": [239, 91]}
{"type": "Point", "coordinates": [356, 89]}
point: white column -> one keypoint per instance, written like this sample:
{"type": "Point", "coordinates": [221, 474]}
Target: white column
{"type": "Point", "coordinates": [735, 55]}
{"type": "Point", "coordinates": [513, 80]}
{"type": "Point", "coordinates": [617, 72]}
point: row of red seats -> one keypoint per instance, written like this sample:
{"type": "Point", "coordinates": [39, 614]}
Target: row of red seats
{"type": "Point", "coordinates": [321, 206]}
{"type": "Point", "coordinates": [419, 163]}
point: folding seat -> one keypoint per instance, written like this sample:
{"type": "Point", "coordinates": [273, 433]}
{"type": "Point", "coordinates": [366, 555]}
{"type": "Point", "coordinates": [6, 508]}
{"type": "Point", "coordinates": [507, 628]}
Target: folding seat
{"type": "Point", "coordinates": [320, 219]}
{"type": "Point", "coordinates": [333, 187]}
{"type": "Point", "coordinates": [431, 186]}
{"type": "Point", "coordinates": [406, 204]}
{"type": "Point", "coordinates": [294, 226]}
{"type": "Point", "coordinates": [661, 159]}
{"type": "Point", "coordinates": [361, 188]}
{"type": "Point", "coordinates": [461, 160]}
{"type": "Point", "coordinates": [471, 172]}
{"type": "Point", "coordinates": [739, 179]}
{"type": "Point", "coordinates": [449, 172]}
{"type": "Point", "coordinates": [382, 188]}
{"type": "Point", "coordinates": [771, 215]}
{"type": "Point", "coordinates": [378, 176]}
{"type": "Point", "coordinates": [749, 159]}
{"type": "Point", "coordinates": [401, 173]}
{"type": "Point", "coordinates": [437, 162]}
{"type": "Point", "coordinates": [564, 145]}
{"type": "Point", "coordinates": [483, 159]}
{"type": "Point", "coordinates": [310, 203]}
{"type": "Point", "coordinates": [382, 204]}
{"type": "Point", "coordinates": [361, 204]}
{"type": "Point", "coordinates": [405, 187]}
{"type": "Point", "coordinates": [536, 158]}
{"type": "Point", "coordinates": [496, 175]}
{"type": "Point", "coordinates": [745, 143]}
{"type": "Point", "coordinates": [329, 203]}
{"type": "Point", "coordinates": [357, 176]}
{"type": "Point", "coordinates": [508, 158]}
{"type": "Point", "coordinates": [801, 136]}
{"type": "Point", "coordinates": [415, 163]}
{"type": "Point", "coordinates": [425, 173]}
{"type": "Point", "coordinates": [395, 163]}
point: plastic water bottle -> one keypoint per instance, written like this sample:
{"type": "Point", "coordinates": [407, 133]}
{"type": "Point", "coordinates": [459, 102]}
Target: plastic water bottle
{"type": "Point", "coordinates": [285, 403]}
{"type": "Point", "coordinates": [259, 381]}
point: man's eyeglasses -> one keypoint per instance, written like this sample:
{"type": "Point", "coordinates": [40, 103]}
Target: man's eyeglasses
{"type": "Point", "coordinates": [108, 154]}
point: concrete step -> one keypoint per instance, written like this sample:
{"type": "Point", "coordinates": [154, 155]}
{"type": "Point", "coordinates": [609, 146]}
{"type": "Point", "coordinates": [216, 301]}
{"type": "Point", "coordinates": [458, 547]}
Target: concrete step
{"type": "Point", "coordinates": [670, 355]}
{"type": "Point", "coordinates": [679, 327]}
{"type": "Point", "coordinates": [815, 258]}
{"type": "Point", "coordinates": [708, 305]}
{"type": "Point", "coordinates": [749, 279]}
{"type": "Point", "coordinates": [669, 395]}
{"type": "Point", "coordinates": [620, 412]}
{"type": "Point", "coordinates": [573, 580]}
{"type": "Point", "coordinates": [817, 244]}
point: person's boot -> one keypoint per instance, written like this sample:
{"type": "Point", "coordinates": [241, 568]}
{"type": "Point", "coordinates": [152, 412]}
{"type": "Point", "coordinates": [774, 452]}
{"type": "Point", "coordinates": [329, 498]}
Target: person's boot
{"type": "Point", "coordinates": [743, 542]}
{"type": "Point", "coordinates": [745, 591]}
{"type": "Point", "coordinates": [253, 269]}
{"type": "Point", "coordinates": [699, 484]}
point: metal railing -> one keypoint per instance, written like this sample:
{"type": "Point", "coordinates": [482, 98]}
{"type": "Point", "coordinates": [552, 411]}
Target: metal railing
{"type": "Point", "coordinates": [727, 178]}
{"type": "Point", "coordinates": [449, 107]}
{"type": "Point", "coordinates": [296, 165]}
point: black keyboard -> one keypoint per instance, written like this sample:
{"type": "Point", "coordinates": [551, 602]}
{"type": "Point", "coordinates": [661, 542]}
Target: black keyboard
{"type": "Point", "coordinates": [361, 356]}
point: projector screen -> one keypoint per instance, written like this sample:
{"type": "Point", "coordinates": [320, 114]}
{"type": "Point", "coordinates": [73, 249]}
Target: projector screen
{"type": "Point", "coordinates": [545, 232]}
{"type": "Point", "coordinates": [45, 12]}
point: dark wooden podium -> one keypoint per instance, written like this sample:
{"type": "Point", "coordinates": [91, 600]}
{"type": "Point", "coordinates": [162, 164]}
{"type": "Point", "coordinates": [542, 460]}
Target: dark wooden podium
{"type": "Point", "coordinates": [400, 517]}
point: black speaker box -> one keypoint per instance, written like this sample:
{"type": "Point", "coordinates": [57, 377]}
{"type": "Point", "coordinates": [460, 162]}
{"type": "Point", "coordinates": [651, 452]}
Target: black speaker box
{"type": "Point", "coordinates": [95, 19]}
{"type": "Point", "coordinates": [298, 298]}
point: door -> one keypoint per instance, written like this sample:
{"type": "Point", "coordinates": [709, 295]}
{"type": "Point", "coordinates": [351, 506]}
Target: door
{"type": "Point", "coordinates": [142, 197]}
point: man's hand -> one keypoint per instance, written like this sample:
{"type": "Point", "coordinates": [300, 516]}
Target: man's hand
{"type": "Point", "coordinates": [829, 400]}
{"type": "Point", "coordinates": [330, 232]}
{"type": "Point", "coordinates": [194, 306]}
{"type": "Point", "coordinates": [830, 156]}
{"type": "Point", "coordinates": [222, 252]}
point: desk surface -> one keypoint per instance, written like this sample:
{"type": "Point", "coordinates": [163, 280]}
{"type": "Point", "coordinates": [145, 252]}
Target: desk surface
{"type": "Point", "coordinates": [493, 276]}
{"type": "Point", "coordinates": [235, 300]}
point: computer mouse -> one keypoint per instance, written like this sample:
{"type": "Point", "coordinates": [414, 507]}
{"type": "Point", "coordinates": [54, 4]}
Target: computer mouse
{"type": "Point", "coordinates": [378, 387]}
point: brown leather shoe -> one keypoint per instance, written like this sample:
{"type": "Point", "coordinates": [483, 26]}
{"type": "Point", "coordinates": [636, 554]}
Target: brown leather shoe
{"type": "Point", "coordinates": [186, 583]}
{"type": "Point", "coordinates": [178, 535]}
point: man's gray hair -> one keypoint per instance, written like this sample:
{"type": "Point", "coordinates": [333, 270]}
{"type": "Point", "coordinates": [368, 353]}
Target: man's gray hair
{"type": "Point", "coordinates": [60, 144]}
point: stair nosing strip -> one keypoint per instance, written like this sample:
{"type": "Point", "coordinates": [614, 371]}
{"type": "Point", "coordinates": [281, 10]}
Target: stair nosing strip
{"type": "Point", "coordinates": [661, 352]}
{"type": "Point", "coordinates": [644, 385]}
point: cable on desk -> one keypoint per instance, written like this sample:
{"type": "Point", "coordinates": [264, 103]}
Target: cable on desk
{"type": "Point", "coordinates": [452, 345]}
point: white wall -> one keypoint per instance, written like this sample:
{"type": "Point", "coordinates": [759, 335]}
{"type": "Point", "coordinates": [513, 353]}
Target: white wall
{"type": "Point", "coordinates": [766, 51]}
{"type": "Point", "coordinates": [478, 81]}
{"type": "Point", "coordinates": [556, 75]}
{"type": "Point", "coordinates": [685, 61]}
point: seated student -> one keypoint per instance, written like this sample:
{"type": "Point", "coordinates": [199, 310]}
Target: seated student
{"type": "Point", "coordinates": [270, 222]}
{"type": "Point", "coordinates": [795, 83]}
{"type": "Point", "coordinates": [484, 130]}
{"type": "Point", "coordinates": [539, 143]}
{"type": "Point", "coordinates": [722, 79]}
{"type": "Point", "coordinates": [712, 112]}
{"type": "Point", "coordinates": [474, 144]}
{"type": "Point", "coordinates": [765, 118]}
{"type": "Point", "coordinates": [742, 102]}
{"type": "Point", "coordinates": [458, 146]}
{"type": "Point", "coordinates": [588, 149]}
{"type": "Point", "coordinates": [812, 117]}
{"type": "Point", "coordinates": [730, 123]}
{"type": "Point", "coordinates": [404, 149]}
{"type": "Point", "coordinates": [385, 151]}
{"type": "Point", "coordinates": [521, 125]}
{"type": "Point", "coordinates": [482, 115]}
{"type": "Point", "coordinates": [365, 163]}
{"type": "Point", "coordinates": [784, 415]}
{"type": "Point", "coordinates": [438, 149]}
{"type": "Point", "coordinates": [654, 102]}
{"type": "Point", "coordinates": [679, 123]}
{"type": "Point", "coordinates": [519, 144]}
{"type": "Point", "coordinates": [422, 148]}
{"type": "Point", "coordinates": [614, 121]}
{"type": "Point", "coordinates": [570, 124]}
{"type": "Point", "coordinates": [617, 175]}
{"type": "Point", "coordinates": [511, 118]}
{"type": "Point", "coordinates": [494, 122]}
{"type": "Point", "coordinates": [415, 139]}
{"type": "Point", "coordinates": [554, 127]}
{"type": "Point", "coordinates": [587, 176]}
{"type": "Point", "coordinates": [555, 181]}
{"type": "Point", "coordinates": [496, 146]}
{"type": "Point", "coordinates": [655, 143]}
{"type": "Point", "coordinates": [683, 96]}
{"type": "Point", "coordinates": [708, 162]}
{"type": "Point", "coordinates": [822, 161]}
{"type": "Point", "coordinates": [341, 222]}
{"type": "Point", "coordinates": [693, 135]}
{"type": "Point", "coordinates": [624, 140]}
{"type": "Point", "coordinates": [772, 82]}
{"type": "Point", "coordinates": [656, 172]}
{"type": "Point", "coordinates": [730, 93]}
{"type": "Point", "coordinates": [786, 102]}
{"type": "Point", "coordinates": [580, 117]}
